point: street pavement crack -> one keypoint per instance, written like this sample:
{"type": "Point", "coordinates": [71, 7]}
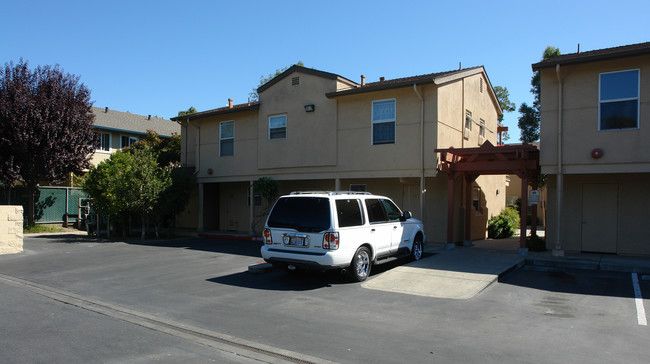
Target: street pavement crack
{"type": "Point", "coordinates": [220, 341]}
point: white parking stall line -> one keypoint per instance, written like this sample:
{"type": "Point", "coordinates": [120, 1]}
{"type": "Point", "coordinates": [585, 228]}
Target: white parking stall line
{"type": "Point", "coordinates": [640, 310]}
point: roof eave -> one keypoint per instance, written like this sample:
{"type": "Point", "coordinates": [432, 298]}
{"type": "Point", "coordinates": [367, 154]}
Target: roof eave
{"type": "Point", "coordinates": [588, 58]}
{"type": "Point", "coordinates": [215, 112]}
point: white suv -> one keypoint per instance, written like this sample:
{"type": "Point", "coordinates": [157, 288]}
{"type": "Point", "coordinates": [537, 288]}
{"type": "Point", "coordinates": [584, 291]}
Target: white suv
{"type": "Point", "coordinates": [339, 230]}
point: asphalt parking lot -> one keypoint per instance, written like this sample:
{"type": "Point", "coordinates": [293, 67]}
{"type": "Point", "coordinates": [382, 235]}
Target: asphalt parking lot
{"type": "Point", "coordinates": [73, 299]}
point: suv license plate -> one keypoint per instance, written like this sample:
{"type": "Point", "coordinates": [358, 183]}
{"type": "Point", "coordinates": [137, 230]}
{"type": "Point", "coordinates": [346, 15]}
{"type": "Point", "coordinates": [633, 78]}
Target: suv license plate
{"type": "Point", "coordinates": [294, 240]}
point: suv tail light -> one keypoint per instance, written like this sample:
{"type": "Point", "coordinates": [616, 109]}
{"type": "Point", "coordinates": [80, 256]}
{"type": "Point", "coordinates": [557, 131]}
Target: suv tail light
{"type": "Point", "coordinates": [331, 241]}
{"type": "Point", "coordinates": [267, 236]}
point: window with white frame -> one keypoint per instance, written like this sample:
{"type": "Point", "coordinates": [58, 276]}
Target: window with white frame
{"type": "Point", "coordinates": [278, 127]}
{"type": "Point", "coordinates": [476, 200]}
{"type": "Point", "coordinates": [105, 142]}
{"type": "Point", "coordinates": [127, 141]}
{"type": "Point", "coordinates": [468, 124]}
{"type": "Point", "coordinates": [226, 138]}
{"type": "Point", "coordinates": [618, 100]}
{"type": "Point", "coordinates": [383, 121]}
{"type": "Point", "coordinates": [481, 131]}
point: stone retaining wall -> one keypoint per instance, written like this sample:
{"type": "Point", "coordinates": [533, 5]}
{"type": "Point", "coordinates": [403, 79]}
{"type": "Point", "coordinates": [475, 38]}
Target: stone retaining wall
{"type": "Point", "coordinates": [11, 229]}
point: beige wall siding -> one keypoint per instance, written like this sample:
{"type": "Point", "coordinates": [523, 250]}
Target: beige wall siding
{"type": "Point", "coordinates": [631, 213]}
{"type": "Point", "coordinates": [243, 162]}
{"type": "Point", "coordinates": [624, 150]}
{"type": "Point", "coordinates": [358, 154]}
{"type": "Point", "coordinates": [454, 99]}
{"type": "Point", "coordinates": [311, 136]}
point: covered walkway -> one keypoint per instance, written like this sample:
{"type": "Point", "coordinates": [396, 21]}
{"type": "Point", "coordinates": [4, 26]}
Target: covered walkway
{"type": "Point", "coordinates": [469, 163]}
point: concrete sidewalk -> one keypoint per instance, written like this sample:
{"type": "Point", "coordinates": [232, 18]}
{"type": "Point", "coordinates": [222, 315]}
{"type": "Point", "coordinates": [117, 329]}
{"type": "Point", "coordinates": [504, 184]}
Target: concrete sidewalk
{"type": "Point", "coordinates": [463, 272]}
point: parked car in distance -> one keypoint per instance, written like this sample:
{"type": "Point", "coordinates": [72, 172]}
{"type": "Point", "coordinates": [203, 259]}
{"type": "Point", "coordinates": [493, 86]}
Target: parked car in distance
{"type": "Point", "coordinates": [349, 231]}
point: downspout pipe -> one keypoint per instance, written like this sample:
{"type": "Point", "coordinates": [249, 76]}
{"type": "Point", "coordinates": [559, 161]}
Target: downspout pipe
{"type": "Point", "coordinates": [557, 249]}
{"type": "Point", "coordinates": [423, 187]}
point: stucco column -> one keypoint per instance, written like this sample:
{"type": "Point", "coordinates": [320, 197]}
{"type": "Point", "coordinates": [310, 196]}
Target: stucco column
{"type": "Point", "coordinates": [251, 193]}
{"type": "Point", "coordinates": [200, 227]}
{"type": "Point", "coordinates": [337, 184]}
{"type": "Point", "coordinates": [467, 239]}
{"type": "Point", "coordinates": [450, 214]}
{"type": "Point", "coordinates": [524, 212]}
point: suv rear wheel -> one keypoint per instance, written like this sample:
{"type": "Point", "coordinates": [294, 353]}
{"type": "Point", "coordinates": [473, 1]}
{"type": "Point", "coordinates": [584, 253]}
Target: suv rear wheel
{"type": "Point", "coordinates": [361, 264]}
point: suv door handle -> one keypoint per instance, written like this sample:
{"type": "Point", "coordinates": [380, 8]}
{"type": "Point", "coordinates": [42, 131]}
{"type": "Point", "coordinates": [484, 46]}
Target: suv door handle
{"type": "Point", "coordinates": [372, 230]}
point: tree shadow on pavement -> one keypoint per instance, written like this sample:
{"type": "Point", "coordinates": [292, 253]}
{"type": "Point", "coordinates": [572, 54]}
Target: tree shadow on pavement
{"type": "Point", "coordinates": [214, 245]}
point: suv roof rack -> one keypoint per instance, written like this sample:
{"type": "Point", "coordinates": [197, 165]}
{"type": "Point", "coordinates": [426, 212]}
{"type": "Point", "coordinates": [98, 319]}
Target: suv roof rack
{"type": "Point", "coordinates": [330, 193]}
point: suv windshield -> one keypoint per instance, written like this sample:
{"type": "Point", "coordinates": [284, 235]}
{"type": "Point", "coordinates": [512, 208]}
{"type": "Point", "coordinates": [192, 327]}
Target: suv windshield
{"type": "Point", "coordinates": [305, 214]}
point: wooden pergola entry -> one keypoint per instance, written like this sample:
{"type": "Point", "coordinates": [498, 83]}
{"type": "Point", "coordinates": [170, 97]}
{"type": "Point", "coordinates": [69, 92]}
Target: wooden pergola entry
{"type": "Point", "coordinates": [519, 159]}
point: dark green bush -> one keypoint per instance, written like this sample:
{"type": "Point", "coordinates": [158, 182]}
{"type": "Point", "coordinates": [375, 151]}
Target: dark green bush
{"type": "Point", "coordinates": [503, 225]}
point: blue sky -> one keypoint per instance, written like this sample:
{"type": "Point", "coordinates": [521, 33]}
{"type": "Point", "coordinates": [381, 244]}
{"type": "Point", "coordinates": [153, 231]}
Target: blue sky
{"type": "Point", "coordinates": [159, 57]}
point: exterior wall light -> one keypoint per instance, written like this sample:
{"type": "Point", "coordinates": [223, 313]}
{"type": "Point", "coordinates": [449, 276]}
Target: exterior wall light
{"type": "Point", "coordinates": [310, 108]}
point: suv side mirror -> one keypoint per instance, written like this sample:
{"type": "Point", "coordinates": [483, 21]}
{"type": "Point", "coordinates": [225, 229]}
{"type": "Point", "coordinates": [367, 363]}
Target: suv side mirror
{"type": "Point", "coordinates": [406, 215]}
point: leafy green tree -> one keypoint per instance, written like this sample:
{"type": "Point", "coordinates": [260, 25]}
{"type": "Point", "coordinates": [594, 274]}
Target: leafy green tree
{"type": "Point", "coordinates": [189, 111]}
{"type": "Point", "coordinates": [254, 96]}
{"type": "Point", "coordinates": [142, 179]}
{"type": "Point", "coordinates": [46, 130]}
{"type": "Point", "coordinates": [529, 118]}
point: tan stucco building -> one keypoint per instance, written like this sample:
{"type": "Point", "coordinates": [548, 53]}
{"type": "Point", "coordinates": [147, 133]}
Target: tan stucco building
{"type": "Point", "coordinates": [119, 129]}
{"type": "Point", "coordinates": [314, 130]}
{"type": "Point", "coordinates": [595, 149]}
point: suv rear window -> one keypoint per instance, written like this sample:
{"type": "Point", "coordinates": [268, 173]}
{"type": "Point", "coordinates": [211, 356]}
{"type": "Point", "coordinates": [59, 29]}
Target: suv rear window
{"type": "Point", "coordinates": [305, 214]}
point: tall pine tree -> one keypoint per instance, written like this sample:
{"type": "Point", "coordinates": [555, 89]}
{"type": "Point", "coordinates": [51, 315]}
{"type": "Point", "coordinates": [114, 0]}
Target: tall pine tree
{"type": "Point", "coordinates": [530, 116]}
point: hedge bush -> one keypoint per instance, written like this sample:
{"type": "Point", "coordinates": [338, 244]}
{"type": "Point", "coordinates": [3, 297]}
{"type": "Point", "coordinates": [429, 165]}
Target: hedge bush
{"type": "Point", "coordinates": [503, 225]}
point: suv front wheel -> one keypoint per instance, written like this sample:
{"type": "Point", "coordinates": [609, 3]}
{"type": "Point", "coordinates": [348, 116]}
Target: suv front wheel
{"type": "Point", "coordinates": [417, 249]}
{"type": "Point", "coordinates": [361, 264]}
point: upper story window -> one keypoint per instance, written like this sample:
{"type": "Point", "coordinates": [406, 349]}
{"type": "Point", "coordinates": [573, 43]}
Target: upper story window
{"type": "Point", "coordinates": [127, 141]}
{"type": "Point", "coordinates": [278, 127]}
{"type": "Point", "coordinates": [468, 124]}
{"type": "Point", "coordinates": [105, 145]}
{"type": "Point", "coordinates": [226, 138]}
{"type": "Point", "coordinates": [383, 121]}
{"type": "Point", "coordinates": [481, 131]}
{"type": "Point", "coordinates": [619, 100]}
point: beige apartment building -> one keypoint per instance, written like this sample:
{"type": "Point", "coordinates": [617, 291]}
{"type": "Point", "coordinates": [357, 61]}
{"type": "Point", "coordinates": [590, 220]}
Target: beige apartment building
{"type": "Point", "coordinates": [314, 130]}
{"type": "Point", "coordinates": [595, 149]}
{"type": "Point", "coordinates": [119, 129]}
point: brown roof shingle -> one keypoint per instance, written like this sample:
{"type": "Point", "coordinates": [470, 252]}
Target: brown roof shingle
{"type": "Point", "coordinates": [595, 55]}
{"type": "Point", "coordinates": [253, 105]}
{"type": "Point", "coordinates": [400, 82]}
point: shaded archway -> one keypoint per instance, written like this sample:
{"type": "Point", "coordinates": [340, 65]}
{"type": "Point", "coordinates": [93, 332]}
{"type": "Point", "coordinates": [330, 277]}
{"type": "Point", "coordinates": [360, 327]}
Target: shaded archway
{"type": "Point", "coordinates": [469, 163]}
